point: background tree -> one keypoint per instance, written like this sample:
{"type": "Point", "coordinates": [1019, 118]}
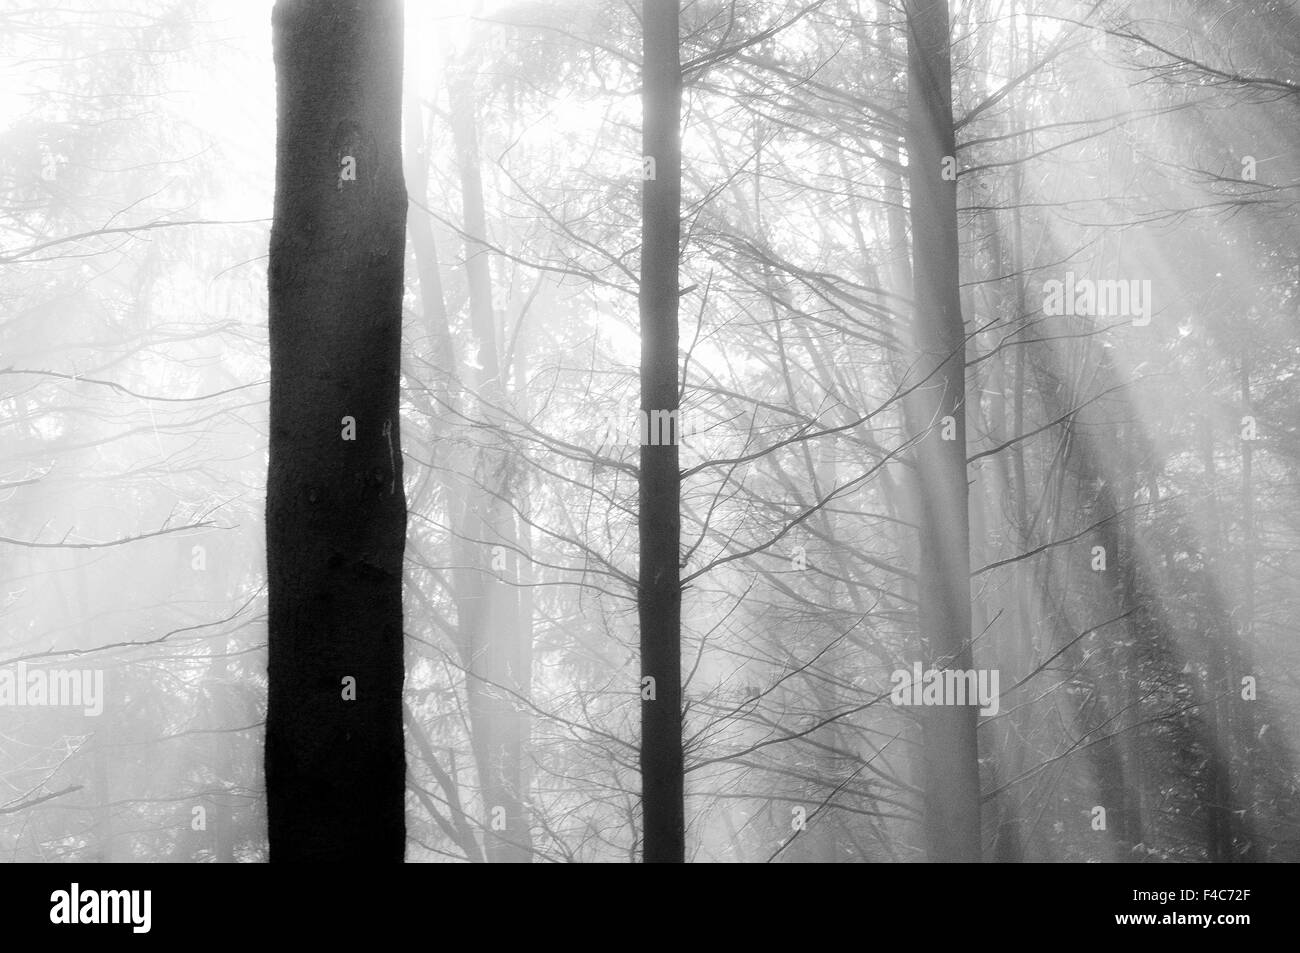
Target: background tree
{"type": "Point", "coordinates": [938, 426]}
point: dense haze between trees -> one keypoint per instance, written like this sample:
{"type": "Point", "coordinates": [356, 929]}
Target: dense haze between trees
{"type": "Point", "coordinates": [726, 431]}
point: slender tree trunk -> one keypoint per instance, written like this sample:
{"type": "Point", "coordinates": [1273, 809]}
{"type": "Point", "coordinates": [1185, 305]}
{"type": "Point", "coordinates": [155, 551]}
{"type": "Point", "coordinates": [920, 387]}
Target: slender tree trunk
{"type": "Point", "coordinates": [433, 306]}
{"type": "Point", "coordinates": [336, 508]}
{"type": "Point", "coordinates": [525, 577]}
{"type": "Point", "coordinates": [659, 597]}
{"type": "Point", "coordinates": [1255, 850]}
{"type": "Point", "coordinates": [221, 714]}
{"type": "Point", "coordinates": [906, 502]}
{"type": "Point", "coordinates": [1118, 667]}
{"type": "Point", "coordinates": [952, 789]}
{"type": "Point", "coordinates": [1217, 635]}
{"type": "Point", "coordinates": [487, 601]}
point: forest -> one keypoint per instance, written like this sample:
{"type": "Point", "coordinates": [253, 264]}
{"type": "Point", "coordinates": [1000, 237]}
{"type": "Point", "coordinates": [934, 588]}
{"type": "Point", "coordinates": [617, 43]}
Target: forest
{"type": "Point", "coordinates": [619, 431]}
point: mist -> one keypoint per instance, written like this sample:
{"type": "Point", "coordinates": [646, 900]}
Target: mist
{"type": "Point", "coordinates": [524, 431]}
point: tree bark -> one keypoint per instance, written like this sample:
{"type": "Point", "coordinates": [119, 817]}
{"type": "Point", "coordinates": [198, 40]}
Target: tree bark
{"type": "Point", "coordinates": [335, 507]}
{"type": "Point", "coordinates": [952, 790]}
{"type": "Point", "coordinates": [659, 596]}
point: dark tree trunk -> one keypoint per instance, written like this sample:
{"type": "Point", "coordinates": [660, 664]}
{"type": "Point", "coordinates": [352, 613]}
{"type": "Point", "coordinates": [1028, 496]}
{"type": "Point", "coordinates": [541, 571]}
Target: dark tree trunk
{"type": "Point", "coordinates": [335, 507]}
{"type": "Point", "coordinates": [952, 792]}
{"type": "Point", "coordinates": [659, 597]}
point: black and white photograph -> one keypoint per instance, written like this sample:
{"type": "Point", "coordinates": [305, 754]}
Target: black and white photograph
{"type": "Point", "coordinates": [650, 431]}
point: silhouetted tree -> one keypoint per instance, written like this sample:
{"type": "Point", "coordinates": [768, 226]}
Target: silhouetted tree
{"type": "Point", "coordinates": [335, 508]}
{"type": "Point", "coordinates": [659, 597]}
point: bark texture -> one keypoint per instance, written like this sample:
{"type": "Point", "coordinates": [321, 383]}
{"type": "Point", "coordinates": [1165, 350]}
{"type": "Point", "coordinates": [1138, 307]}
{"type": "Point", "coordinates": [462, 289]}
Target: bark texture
{"type": "Point", "coordinates": [335, 508]}
{"type": "Point", "coordinates": [659, 599]}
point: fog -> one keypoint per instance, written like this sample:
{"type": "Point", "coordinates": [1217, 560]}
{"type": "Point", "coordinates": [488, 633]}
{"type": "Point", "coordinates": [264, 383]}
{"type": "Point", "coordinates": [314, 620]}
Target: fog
{"type": "Point", "coordinates": [1086, 656]}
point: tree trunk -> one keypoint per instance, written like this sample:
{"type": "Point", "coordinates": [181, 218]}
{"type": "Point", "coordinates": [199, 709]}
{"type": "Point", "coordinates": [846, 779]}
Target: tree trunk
{"type": "Point", "coordinates": [659, 596]}
{"type": "Point", "coordinates": [952, 790]}
{"type": "Point", "coordinates": [1255, 849]}
{"type": "Point", "coordinates": [487, 600]}
{"type": "Point", "coordinates": [335, 507]}
{"type": "Point", "coordinates": [433, 308]}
